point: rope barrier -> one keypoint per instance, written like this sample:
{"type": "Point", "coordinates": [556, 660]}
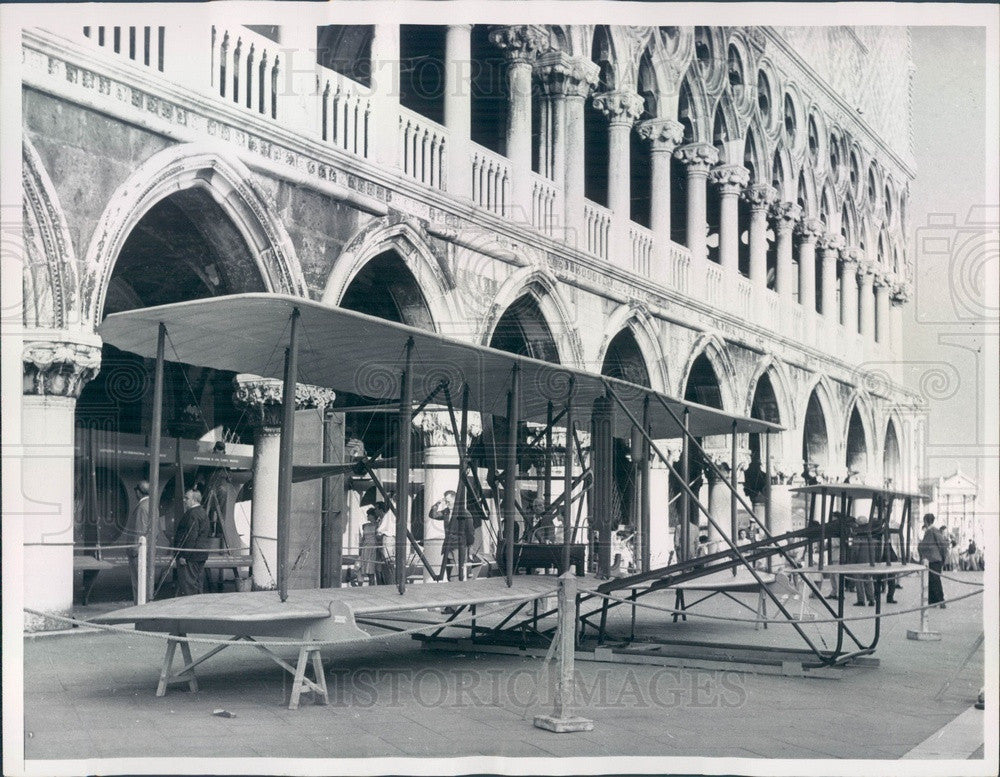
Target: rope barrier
{"type": "Point", "coordinates": [283, 643]}
{"type": "Point", "coordinates": [672, 611]}
{"type": "Point", "coordinates": [75, 546]}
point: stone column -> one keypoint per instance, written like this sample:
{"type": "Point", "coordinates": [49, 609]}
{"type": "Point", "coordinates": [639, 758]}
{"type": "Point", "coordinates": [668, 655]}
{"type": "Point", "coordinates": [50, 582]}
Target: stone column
{"type": "Point", "coordinates": [830, 247]}
{"type": "Point", "coordinates": [718, 505]}
{"type": "Point", "coordinates": [568, 82]}
{"type": "Point", "coordinates": [521, 44]}
{"type": "Point", "coordinates": [439, 449]}
{"type": "Point", "coordinates": [263, 397]}
{"type": "Point", "coordinates": [385, 94]}
{"type": "Point", "coordinates": [663, 135]}
{"type": "Point", "coordinates": [882, 324]}
{"type": "Point", "coordinates": [866, 278]}
{"type": "Point", "coordinates": [786, 215]}
{"type": "Point", "coordinates": [850, 258]}
{"type": "Point", "coordinates": [458, 107]}
{"type": "Point", "coordinates": [621, 108]}
{"type": "Point", "coordinates": [730, 179]}
{"type": "Point", "coordinates": [759, 197]}
{"type": "Point", "coordinates": [809, 231]}
{"type": "Point", "coordinates": [661, 540]}
{"type": "Point", "coordinates": [54, 373]}
{"type": "Point", "coordinates": [699, 158]}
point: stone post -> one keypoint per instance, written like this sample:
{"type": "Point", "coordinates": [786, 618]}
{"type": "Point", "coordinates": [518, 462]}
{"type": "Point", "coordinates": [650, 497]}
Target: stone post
{"type": "Point", "coordinates": [521, 44]}
{"type": "Point", "coordinates": [568, 82]}
{"type": "Point", "coordinates": [55, 370]}
{"type": "Point", "coordinates": [458, 107]}
{"type": "Point", "coordinates": [663, 135]}
{"type": "Point", "coordinates": [730, 179]}
{"type": "Point", "coordinates": [699, 158]}
{"type": "Point", "coordinates": [759, 197]}
{"type": "Point", "coordinates": [850, 259]}
{"type": "Point", "coordinates": [809, 232]}
{"type": "Point", "coordinates": [621, 108]}
{"type": "Point", "coordinates": [786, 215]}
{"type": "Point", "coordinates": [262, 397]}
{"type": "Point", "coordinates": [830, 247]}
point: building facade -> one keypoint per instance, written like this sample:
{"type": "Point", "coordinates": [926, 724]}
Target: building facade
{"type": "Point", "coordinates": [719, 213]}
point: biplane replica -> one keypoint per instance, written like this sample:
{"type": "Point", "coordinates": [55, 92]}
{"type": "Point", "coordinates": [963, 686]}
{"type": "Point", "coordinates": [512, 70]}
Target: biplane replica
{"type": "Point", "coordinates": [378, 361]}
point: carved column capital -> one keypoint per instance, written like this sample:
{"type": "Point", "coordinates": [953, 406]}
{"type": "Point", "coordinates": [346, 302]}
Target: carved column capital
{"type": "Point", "coordinates": [437, 430]}
{"type": "Point", "coordinates": [263, 397]}
{"type": "Point", "coordinates": [866, 270]}
{"type": "Point", "coordinates": [830, 242]}
{"type": "Point", "coordinates": [730, 178]}
{"type": "Point", "coordinates": [58, 367]}
{"type": "Point", "coordinates": [851, 256]}
{"type": "Point", "coordinates": [664, 135]}
{"type": "Point", "coordinates": [622, 107]}
{"type": "Point", "coordinates": [901, 293]}
{"type": "Point", "coordinates": [810, 230]}
{"type": "Point", "coordinates": [786, 215]}
{"type": "Point", "coordinates": [699, 157]}
{"type": "Point", "coordinates": [759, 196]}
{"type": "Point", "coordinates": [521, 43]}
{"type": "Point", "coordinates": [564, 76]}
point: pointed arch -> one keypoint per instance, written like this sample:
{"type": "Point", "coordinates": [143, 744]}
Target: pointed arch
{"type": "Point", "coordinates": [755, 157]}
{"type": "Point", "coordinates": [819, 424]}
{"type": "Point", "coordinates": [542, 286]}
{"type": "Point", "coordinates": [829, 213]}
{"type": "Point", "coordinates": [858, 434]}
{"type": "Point", "coordinates": [692, 109]}
{"type": "Point", "coordinates": [805, 193]}
{"type": "Point", "coordinates": [714, 350]}
{"type": "Point", "coordinates": [637, 320]}
{"type": "Point", "coordinates": [51, 288]}
{"type": "Point", "coordinates": [410, 243]}
{"type": "Point", "coordinates": [778, 376]}
{"type": "Point", "coordinates": [227, 181]}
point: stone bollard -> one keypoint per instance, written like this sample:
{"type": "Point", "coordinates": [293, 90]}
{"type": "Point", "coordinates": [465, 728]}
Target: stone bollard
{"type": "Point", "coordinates": [925, 634]}
{"type": "Point", "coordinates": [141, 566]}
{"type": "Point", "coordinates": [561, 720]}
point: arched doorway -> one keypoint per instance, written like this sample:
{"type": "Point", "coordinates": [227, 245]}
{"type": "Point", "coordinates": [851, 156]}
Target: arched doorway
{"type": "Point", "coordinates": [385, 288]}
{"type": "Point", "coordinates": [815, 439]}
{"type": "Point", "coordinates": [522, 329]}
{"type": "Point", "coordinates": [857, 448]}
{"type": "Point", "coordinates": [703, 386]}
{"type": "Point", "coordinates": [624, 360]}
{"type": "Point", "coordinates": [184, 247]}
{"type": "Point", "coordinates": [892, 465]}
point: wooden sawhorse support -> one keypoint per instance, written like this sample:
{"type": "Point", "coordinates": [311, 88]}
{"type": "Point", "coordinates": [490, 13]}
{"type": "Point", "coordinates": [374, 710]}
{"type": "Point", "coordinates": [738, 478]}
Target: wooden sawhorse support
{"type": "Point", "coordinates": [760, 611]}
{"type": "Point", "coordinates": [300, 683]}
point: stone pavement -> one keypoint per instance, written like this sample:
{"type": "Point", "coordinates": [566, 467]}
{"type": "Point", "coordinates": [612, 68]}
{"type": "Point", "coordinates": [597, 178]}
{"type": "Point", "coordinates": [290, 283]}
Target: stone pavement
{"type": "Point", "coordinates": [91, 695]}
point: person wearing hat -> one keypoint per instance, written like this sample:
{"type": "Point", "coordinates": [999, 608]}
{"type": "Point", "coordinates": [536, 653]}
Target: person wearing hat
{"type": "Point", "coordinates": [136, 526]}
{"type": "Point", "coordinates": [192, 536]}
{"type": "Point", "coordinates": [933, 549]}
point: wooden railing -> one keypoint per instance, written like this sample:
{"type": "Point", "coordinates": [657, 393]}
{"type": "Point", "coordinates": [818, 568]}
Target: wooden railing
{"type": "Point", "coordinates": [490, 180]}
{"type": "Point", "coordinates": [422, 148]}
{"type": "Point", "coordinates": [641, 242]}
{"type": "Point", "coordinates": [344, 112]}
{"type": "Point", "coordinates": [144, 45]}
{"type": "Point", "coordinates": [245, 69]}
{"type": "Point", "coordinates": [543, 204]}
{"type": "Point", "coordinates": [597, 223]}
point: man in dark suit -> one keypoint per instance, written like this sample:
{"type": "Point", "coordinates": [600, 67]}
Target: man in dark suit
{"type": "Point", "coordinates": [192, 535]}
{"type": "Point", "coordinates": [933, 549]}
